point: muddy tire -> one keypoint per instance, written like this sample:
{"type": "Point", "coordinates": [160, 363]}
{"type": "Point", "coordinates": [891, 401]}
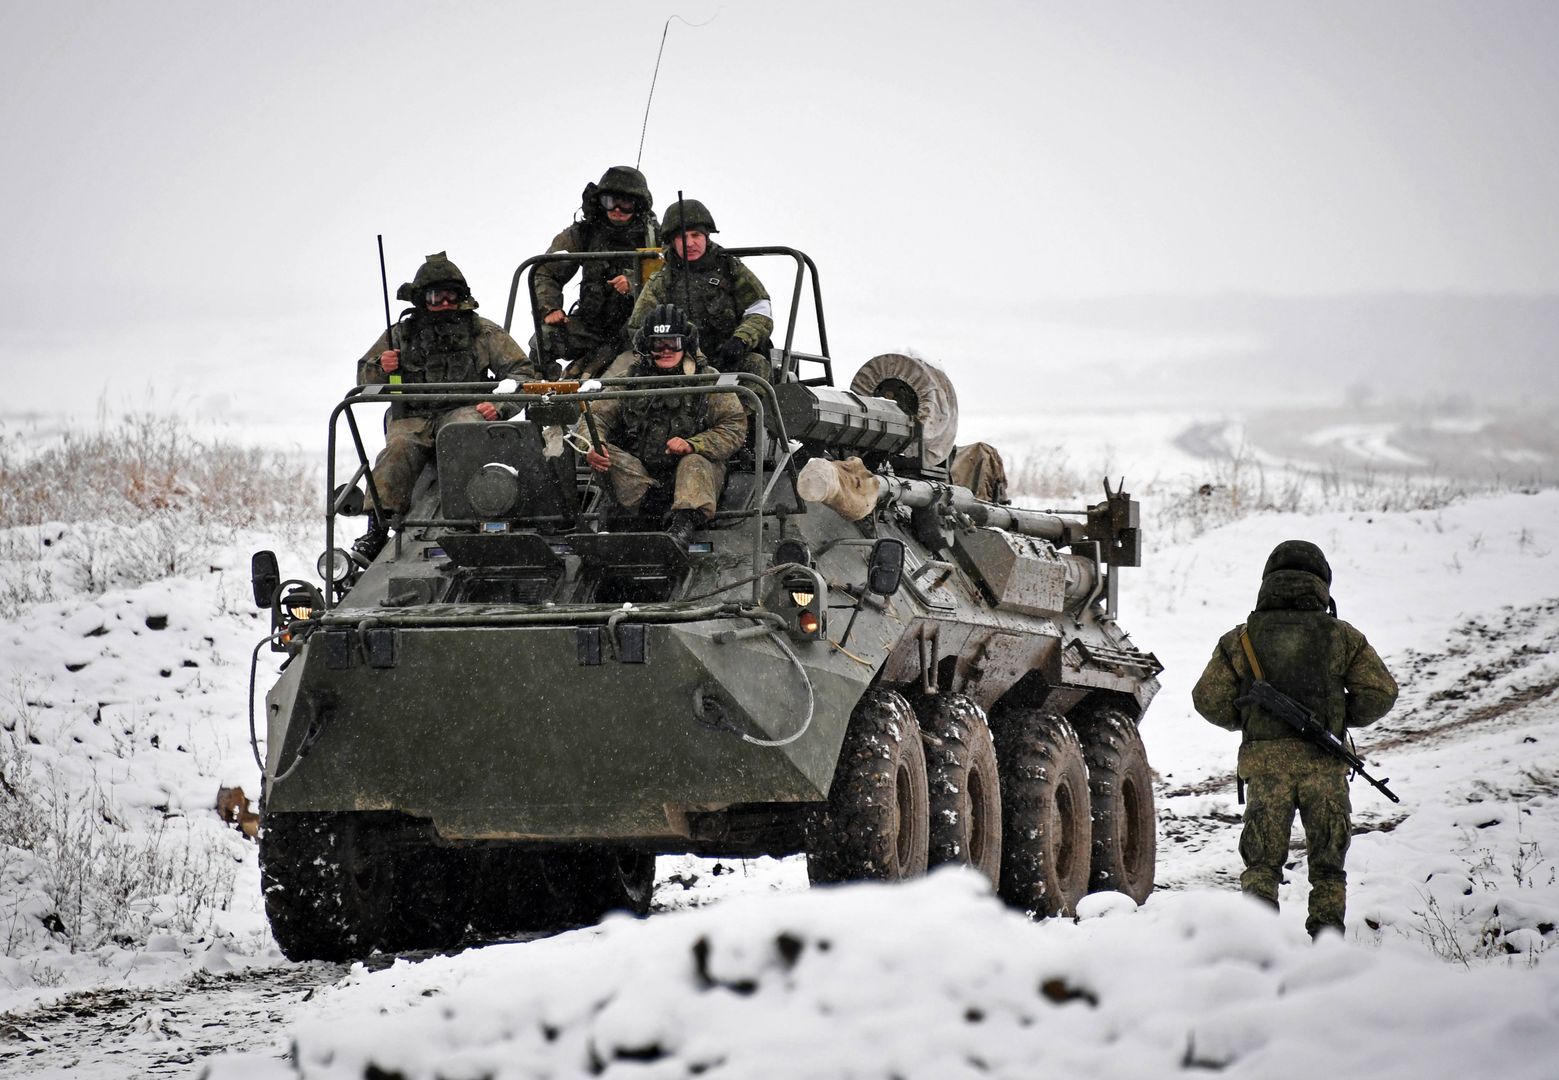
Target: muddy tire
{"type": "Point", "coordinates": [965, 788]}
{"type": "Point", "coordinates": [327, 882]}
{"type": "Point", "coordinates": [432, 899]}
{"type": "Point", "coordinates": [1120, 785]}
{"type": "Point", "coordinates": [509, 895]}
{"type": "Point", "coordinates": [1045, 826]}
{"type": "Point", "coordinates": [587, 883]}
{"type": "Point", "coordinates": [876, 823]}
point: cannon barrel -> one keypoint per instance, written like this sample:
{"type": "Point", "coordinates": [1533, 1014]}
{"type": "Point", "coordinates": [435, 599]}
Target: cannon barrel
{"type": "Point", "coordinates": [924, 493]}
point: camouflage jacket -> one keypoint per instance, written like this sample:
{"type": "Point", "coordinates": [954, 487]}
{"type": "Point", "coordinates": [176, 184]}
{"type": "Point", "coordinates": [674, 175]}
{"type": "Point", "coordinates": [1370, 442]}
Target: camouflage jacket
{"type": "Point", "coordinates": [1306, 652]}
{"type": "Point", "coordinates": [715, 424]}
{"type": "Point", "coordinates": [721, 296]}
{"type": "Point", "coordinates": [600, 306]}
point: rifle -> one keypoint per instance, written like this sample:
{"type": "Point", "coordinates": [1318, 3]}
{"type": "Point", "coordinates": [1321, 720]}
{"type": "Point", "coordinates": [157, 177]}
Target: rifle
{"type": "Point", "coordinates": [1276, 703]}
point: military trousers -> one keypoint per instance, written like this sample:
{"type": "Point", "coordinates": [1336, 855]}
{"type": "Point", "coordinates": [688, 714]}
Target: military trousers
{"type": "Point", "coordinates": [1283, 776]}
{"type": "Point", "coordinates": [696, 482]}
{"type": "Point", "coordinates": [408, 447]}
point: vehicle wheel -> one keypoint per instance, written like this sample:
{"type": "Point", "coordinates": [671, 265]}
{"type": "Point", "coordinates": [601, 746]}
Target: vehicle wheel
{"type": "Point", "coordinates": [1120, 785]}
{"type": "Point", "coordinates": [876, 822]}
{"type": "Point", "coordinates": [509, 894]}
{"type": "Point", "coordinates": [1045, 825]}
{"type": "Point", "coordinates": [432, 902]}
{"type": "Point", "coordinates": [965, 789]}
{"type": "Point", "coordinates": [586, 883]}
{"type": "Point", "coordinates": [327, 881]}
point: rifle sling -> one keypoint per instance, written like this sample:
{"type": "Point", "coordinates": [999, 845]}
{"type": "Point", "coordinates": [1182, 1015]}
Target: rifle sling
{"type": "Point", "coordinates": [1250, 654]}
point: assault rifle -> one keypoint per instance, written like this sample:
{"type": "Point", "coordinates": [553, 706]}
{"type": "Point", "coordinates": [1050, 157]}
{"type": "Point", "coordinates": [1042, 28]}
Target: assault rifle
{"type": "Point", "coordinates": [1276, 703]}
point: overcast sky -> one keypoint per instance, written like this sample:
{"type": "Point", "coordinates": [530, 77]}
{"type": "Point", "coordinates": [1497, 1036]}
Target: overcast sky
{"type": "Point", "coordinates": [229, 164]}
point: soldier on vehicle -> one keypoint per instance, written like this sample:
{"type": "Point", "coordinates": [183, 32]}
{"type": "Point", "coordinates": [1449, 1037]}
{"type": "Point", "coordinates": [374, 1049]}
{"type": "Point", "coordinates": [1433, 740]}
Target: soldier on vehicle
{"type": "Point", "coordinates": [1294, 640]}
{"type": "Point", "coordinates": [440, 338]}
{"type": "Point", "coordinates": [680, 440]}
{"type": "Point", "coordinates": [723, 298]}
{"type": "Point", "coordinates": [617, 214]}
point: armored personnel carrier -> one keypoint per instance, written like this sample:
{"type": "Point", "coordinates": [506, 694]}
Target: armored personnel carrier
{"type": "Point", "coordinates": [500, 722]}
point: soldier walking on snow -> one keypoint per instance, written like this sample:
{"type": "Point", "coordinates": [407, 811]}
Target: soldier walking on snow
{"type": "Point", "coordinates": [440, 338]}
{"type": "Point", "coordinates": [1294, 640]}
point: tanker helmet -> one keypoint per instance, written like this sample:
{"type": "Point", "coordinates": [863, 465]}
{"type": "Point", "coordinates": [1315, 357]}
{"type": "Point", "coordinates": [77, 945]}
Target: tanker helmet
{"type": "Point", "coordinates": [687, 214]}
{"type": "Point", "coordinates": [665, 322]}
{"type": "Point", "coordinates": [1298, 555]}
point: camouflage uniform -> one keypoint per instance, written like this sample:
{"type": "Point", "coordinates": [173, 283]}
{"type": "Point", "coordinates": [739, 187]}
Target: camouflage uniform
{"type": "Point", "coordinates": [458, 346]}
{"type": "Point", "coordinates": [636, 429]}
{"type": "Point", "coordinates": [594, 334]}
{"type": "Point", "coordinates": [723, 298]}
{"type": "Point", "coordinates": [1326, 665]}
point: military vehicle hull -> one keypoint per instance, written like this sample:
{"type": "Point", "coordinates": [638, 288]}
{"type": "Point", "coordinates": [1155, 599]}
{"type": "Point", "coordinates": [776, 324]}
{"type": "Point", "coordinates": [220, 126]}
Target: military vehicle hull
{"type": "Point", "coordinates": [499, 721]}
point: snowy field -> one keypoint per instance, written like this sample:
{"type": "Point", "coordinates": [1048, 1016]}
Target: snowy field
{"type": "Point", "coordinates": [135, 943]}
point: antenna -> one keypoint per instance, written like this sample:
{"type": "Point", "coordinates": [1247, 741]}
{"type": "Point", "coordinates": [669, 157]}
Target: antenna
{"type": "Point", "coordinates": [664, 30]}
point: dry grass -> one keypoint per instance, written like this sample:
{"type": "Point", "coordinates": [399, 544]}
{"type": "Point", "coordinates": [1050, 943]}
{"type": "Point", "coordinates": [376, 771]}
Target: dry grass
{"type": "Point", "coordinates": [126, 503]}
{"type": "Point", "coordinates": [147, 465]}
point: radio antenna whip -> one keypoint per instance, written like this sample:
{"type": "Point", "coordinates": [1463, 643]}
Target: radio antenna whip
{"type": "Point", "coordinates": [664, 30]}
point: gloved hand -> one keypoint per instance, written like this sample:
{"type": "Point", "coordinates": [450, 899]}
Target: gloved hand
{"type": "Point", "coordinates": [731, 353]}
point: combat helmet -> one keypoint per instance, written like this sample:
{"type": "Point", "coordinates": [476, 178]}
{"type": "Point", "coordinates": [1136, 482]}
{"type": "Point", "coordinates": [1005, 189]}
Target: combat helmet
{"type": "Point", "coordinates": [1298, 555]}
{"type": "Point", "coordinates": [435, 270]}
{"type": "Point", "coordinates": [618, 180]}
{"type": "Point", "coordinates": [686, 214]}
{"type": "Point", "coordinates": [666, 321]}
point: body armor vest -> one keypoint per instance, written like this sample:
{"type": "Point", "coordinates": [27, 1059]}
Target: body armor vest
{"type": "Point", "coordinates": [649, 421]}
{"type": "Point", "coordinates": [1299, 652]}
{"type": "Point", "coordinates": [601, 307]}
{"type": "Point", "coordinates": [707, 291]}
{"type": "Point", "coordinates": [437, 349]}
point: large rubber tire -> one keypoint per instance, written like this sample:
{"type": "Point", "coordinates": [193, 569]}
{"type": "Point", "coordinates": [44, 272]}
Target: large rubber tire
{"type": "Point", "coordinates": [432, 899]}
{"type": "Point", "coordinates": [1045, 827]}
{"type": "Point", "coordinates": [509, 894]}
{"type": "Point", "coordinates": [964, 783]}
{"type": "Point", "coordinates": [327, 882]}
{"type": "Point", "coordinates": [588, 882]}
{"type": "Point", "coordinates": [876, 823]}
{"type": "Point", "coordinates": [1120, 784]}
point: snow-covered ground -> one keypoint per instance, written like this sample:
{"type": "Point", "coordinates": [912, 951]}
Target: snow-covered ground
{"type": "Point", "coordinates": [124, 711]}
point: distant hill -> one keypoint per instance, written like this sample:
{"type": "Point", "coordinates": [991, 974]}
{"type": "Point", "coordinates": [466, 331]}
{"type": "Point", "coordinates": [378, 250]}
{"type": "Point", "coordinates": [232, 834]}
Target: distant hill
{"type": "Point", "coordinates": [1244, 351]}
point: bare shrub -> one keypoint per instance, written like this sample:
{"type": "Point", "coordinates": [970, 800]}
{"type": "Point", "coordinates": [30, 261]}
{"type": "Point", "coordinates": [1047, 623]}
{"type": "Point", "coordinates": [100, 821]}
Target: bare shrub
{"type": "Point", "coordinates": [146, 465]}
{"type": "Point", "coordinates": [1240, 484]}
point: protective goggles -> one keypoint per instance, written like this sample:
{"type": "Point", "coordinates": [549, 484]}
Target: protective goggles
{"type": "Point", "coordinates": [665, 346]}
{"type": "Point", "coordinates": [610, 200]}
{"type": "Point", "coordinates": [443, 294]}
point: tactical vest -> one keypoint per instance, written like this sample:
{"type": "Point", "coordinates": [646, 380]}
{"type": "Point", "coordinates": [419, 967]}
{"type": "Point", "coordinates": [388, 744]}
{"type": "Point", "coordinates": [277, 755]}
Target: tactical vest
{"type": "Point", "coordinates": [649, 421]}
{"type": "Point", "coordinates": [601, 307]}
{"type": "Point", "coordinates": [437, 350]}
{"type": "Point", "coordinates": [706, 290]}
{"type": "Point", "coordinates": [1301, 654]}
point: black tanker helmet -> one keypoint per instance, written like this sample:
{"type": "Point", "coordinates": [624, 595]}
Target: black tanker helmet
{"type": "Point", "coordinates": [666, 323]}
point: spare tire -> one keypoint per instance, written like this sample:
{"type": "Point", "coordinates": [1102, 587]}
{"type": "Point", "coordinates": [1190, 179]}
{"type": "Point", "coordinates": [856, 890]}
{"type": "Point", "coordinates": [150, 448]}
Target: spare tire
{"type": "Point", "coordinates": [923, 389]}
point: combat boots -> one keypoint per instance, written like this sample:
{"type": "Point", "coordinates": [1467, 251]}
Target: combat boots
{"type": "Point", "coordinates": [682, 524]}
{"type": "Point", "coordinates": [367, 546]}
